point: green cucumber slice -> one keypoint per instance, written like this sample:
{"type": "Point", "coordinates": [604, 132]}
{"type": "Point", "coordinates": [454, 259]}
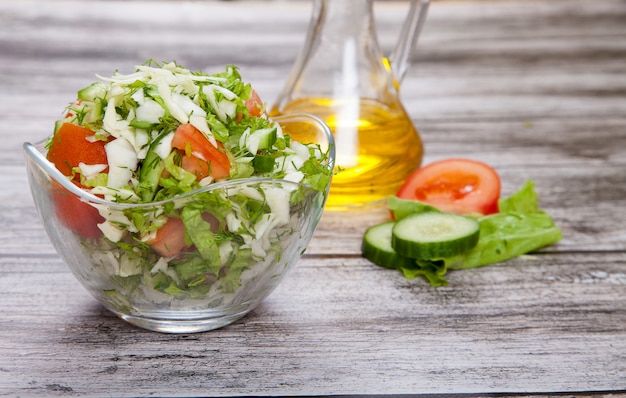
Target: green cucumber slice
{"type": "Point", "coordinates": [434, 235]}
{"type": "Point", "coordinates": [92, 92]}
{"type": "Point", "coordinates": [58, 124]}
{"type": "Point", "coordinates": [377, 248]}
{"type": "Point", "coordinates": [265, 137]}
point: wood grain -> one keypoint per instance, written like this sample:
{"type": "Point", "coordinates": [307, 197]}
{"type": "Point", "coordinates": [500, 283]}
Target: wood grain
{"type": "Point", "coordinates": [535, 88]}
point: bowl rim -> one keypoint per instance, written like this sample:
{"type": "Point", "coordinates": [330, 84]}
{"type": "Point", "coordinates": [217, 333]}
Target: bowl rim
{"type": "Point", "coordinates": [33, 150]}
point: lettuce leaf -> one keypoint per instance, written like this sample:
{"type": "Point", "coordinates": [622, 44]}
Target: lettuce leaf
{"type": "Point", "coordinates": [404, 207]}
{"type": "Point", "coordinates": [519, 228]}
{"type": "Point", "coordinates": [199, 232]}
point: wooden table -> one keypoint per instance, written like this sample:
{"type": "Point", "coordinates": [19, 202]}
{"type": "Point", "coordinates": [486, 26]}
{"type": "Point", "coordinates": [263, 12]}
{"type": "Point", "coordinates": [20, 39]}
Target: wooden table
{"type": "Point", "coordinates": [536, 89]}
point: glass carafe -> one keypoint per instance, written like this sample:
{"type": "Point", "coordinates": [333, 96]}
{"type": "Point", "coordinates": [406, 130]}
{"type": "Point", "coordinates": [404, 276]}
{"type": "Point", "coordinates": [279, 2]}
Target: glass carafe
{"type": "Point", "coordinates": [342, 76]}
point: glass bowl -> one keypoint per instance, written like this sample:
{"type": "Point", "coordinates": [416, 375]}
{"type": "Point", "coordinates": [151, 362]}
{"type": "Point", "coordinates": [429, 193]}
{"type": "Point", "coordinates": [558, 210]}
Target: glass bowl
{"type": "Point", "coordinates": [226, 275]}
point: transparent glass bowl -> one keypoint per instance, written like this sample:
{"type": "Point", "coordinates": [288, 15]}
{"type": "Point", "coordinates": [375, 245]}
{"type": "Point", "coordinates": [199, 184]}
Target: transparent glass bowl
{"type": "Point", "coordinates": [219, 287]}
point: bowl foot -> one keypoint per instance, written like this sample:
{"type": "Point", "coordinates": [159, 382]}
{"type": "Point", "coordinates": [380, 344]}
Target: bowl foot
{"type": "Point", "coordinates": [181, 326]}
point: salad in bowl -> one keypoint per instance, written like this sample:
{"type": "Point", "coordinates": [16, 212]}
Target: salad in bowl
{"type": "Point", "coordinates": [173, 197]}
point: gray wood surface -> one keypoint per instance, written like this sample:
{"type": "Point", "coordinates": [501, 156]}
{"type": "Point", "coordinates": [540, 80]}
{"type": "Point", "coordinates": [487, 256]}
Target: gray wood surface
{"type": "Point", "coordinates": [535, 88]}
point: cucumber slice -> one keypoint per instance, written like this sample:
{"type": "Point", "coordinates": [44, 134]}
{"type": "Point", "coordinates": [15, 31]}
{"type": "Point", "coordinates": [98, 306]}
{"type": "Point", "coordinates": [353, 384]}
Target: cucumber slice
{"type": "Point", "coordinates": [58, 124]}
{"type": "Point", "coordinates": [434, 235]}
{"type": "Point", "coordinates": [377, 248]}
{"type": "Point", "coordinates": [92, 92]}
{"type": "Point", "coordinates": [264, 138]}
{"type": "Point", "coordinates": [94, 114]}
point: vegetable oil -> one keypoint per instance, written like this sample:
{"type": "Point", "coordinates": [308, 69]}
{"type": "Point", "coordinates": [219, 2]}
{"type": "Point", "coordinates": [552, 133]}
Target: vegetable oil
{"type": "Point", "coordinates": [377, 147]}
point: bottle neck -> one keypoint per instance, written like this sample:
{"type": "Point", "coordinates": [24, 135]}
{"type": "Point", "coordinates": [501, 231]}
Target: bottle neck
{"type": "Point", "coordinates": [340, 20]}
{"type": "Point", "coordinates": [341, 58]}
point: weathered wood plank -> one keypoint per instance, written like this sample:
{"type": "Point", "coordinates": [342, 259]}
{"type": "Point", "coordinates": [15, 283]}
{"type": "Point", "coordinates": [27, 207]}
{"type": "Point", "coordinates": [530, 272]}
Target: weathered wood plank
{"type": "Point", "coordinates": [337, 326]}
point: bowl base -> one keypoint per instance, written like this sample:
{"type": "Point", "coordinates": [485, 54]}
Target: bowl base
{"type": "Point", "coordinates": [181, 326]}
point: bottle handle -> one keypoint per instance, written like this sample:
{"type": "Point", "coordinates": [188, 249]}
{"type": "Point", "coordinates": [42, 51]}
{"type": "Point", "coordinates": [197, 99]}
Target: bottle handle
{"type": "Point", "coordinates": [411, 29]}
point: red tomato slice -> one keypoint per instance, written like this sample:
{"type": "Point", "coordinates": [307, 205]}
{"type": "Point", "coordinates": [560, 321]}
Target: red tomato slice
{"type": "Point", "coordinates": [201, 168]}
{"type": "Point", "coordinates": [169, 239]}
{"type": "Point", "coordinates": [254, 104]}
{"type": "Point", "coordinates": [204, 159]}
{"type": "Point", "coordinates": [70, 146]}
{"type": "Point", "coordinates": [459, 186]}
{"type": "Point", "coordinates": [75, 214]}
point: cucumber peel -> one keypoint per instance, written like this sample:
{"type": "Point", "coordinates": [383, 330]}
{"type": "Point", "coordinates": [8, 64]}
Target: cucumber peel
{"type": "Point", "coordinates": [377, 248]}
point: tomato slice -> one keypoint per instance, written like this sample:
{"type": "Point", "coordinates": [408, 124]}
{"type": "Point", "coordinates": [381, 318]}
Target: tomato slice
{"type": "Point", "coordinates": [254, 104]}
{"type": "Point", "coordinates": [461, 186]}
{"type": "Point", "coordinates": [70, 146]}
{"type": "Point", "coordinates": [169, 239]}
{"type": "Point", "coordinates": [201, 157]}
{"type": "Point", "coordinates": [75, 214]}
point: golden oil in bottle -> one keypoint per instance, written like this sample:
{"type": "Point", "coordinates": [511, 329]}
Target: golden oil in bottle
{"type": "Point", "coordinates": [377, 147]}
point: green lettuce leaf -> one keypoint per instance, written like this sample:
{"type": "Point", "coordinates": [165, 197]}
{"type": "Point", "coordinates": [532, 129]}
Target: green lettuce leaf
{"type": "Point", "coordinates": [199, 232]}
{"type": "Point", "coordinates": [405, 207]}
{"type": "Point", "coordinates": [519, 228]}
{"type": "Point", "coordinates": [231, 279]}
{"type": "Point", "coordinates": [433, 271]}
